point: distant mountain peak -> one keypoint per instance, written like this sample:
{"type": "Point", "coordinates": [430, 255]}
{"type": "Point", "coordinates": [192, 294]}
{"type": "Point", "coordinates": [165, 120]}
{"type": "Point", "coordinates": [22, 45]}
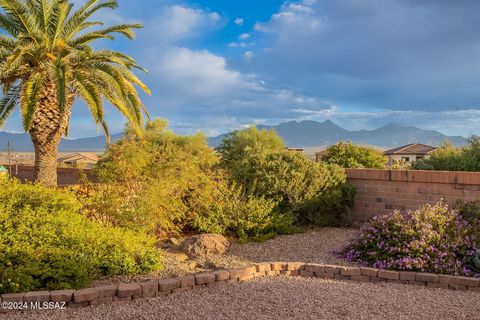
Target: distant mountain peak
{"type": "Point", "coordinates": [392, 125]}
{"type": "Point", "coordinates": [309, 133]}
{"type": "Point", "coordinates": [306, 133]}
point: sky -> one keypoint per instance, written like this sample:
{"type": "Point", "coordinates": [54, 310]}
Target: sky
{"type": "Point", "coordinates": [218, 65]}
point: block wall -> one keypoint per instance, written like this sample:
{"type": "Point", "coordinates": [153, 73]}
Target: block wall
{"type": "Point", "coordinates": [381, 191]}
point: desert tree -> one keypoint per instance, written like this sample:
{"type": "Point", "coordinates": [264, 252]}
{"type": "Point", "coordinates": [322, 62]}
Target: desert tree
{"type": "Point", "coordinates": [47, 62]}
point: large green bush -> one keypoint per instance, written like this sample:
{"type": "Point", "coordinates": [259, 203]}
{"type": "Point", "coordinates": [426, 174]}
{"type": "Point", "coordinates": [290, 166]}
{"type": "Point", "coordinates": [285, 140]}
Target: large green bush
{"type": "Point", "coordinates": [239, 145]}
{"type": "Point", "coordinates": [350, 155]}
{"type": "Point", "coordinates": [46, 243]}
{"type": "Point", "coordinates": [167, 183]}
{"type": "Point", "coordinates": [431, 239]}
{"type": "Point", "coordinates": [450, 158]}
{"type": "Point", "coordinates": [310, 192]}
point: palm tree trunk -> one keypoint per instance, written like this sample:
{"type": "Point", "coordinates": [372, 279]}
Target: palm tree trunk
{"type": "Point", "coordinates": [48, 127]}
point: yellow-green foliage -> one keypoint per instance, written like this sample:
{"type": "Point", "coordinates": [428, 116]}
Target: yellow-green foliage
{"type": "Point", "coordinates": [304, 191]}
{"type": "Point", "coordinates": [46, 243]}
{"type": "Point", "coordinates": [450, 158]}
{"type": "Point", "coordinates": [350, 155]}
{"type": "Point", "coordinates": [239, 145]}
{"type": "Point", "coordinates": [313, 192]}
{"type": "Point", "coordinates": [168, 183]}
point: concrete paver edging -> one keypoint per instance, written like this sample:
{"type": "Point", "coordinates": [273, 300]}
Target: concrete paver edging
{"type": "Point", "coordinates": [162, 287]}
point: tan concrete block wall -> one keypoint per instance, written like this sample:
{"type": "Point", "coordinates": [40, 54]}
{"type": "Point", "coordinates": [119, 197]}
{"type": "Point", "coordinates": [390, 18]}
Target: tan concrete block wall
{"type": "Point", "coordinates": [381, 191]}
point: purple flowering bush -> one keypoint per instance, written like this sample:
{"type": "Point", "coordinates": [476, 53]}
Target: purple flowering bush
{"type": "Point", "coordinates": [431, 239]}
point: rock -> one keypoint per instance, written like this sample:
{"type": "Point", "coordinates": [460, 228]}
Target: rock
{"type": "Point", "coordinates": [173, 241]}
{"type": "Point", "coordinates": [205, 244]}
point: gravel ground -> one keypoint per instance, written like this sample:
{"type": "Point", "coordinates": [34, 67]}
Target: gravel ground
{"type": "Point", "coordinates": [315, 245]}
{"type": "Point", "coordinates": [286, 298]}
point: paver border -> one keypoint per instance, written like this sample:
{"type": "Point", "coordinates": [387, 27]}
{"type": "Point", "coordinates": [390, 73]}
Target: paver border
{"type": "Point", "coordinates": [161, 287]}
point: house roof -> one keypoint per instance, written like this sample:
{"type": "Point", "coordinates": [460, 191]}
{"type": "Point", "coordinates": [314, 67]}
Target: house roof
{"type": "Point", "coordinates": [92, 157]}
{"type": "Point", "coordinates": [413, 148]}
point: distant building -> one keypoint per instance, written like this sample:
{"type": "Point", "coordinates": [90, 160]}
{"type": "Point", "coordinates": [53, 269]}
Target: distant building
{"type": "Point", "coordinates": [84, 160]}
{"type": "Point", "coordinates": [319, 155]}
{"type": "Point", "coordinates": [408, 153]}
{"type": "Point", "coordinates": [300, 150]}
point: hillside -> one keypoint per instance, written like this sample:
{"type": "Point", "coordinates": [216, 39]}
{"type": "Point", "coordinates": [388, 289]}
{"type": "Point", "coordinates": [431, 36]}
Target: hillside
{"type": "Point", "coordinates": [317, 134]}
{"type": "Point", "coordinates": [308, 134]}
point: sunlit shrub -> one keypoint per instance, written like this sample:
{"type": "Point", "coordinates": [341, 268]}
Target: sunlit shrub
{"type": "Point", "coordinates": [431, 239]}
{"type": "Point", "coordinates": [46, 243]}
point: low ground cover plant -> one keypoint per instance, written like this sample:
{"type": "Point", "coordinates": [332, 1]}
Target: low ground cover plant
{"type": "Point", "coordinates": [433, 238]}
{"type": "Point", "coordinates": [47, 243]}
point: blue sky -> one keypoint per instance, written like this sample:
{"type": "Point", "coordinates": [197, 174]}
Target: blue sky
{"type": "Point", "coordinates": [217, 65]}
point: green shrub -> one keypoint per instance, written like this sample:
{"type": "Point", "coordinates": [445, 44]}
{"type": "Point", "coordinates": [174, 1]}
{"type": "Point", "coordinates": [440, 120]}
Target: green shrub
{"type": "Point", "coordinates": [239, 145]}
{"type": "Point", "coordinates": [470, 211]}
{"type": "Point", "coordinates": [447, 157]}
{"type": "Point", "coordinates": [46, 243]}
{"type": "Point", "coordinates": [350, 155]}
{"type": "Point", "coordinates": [451, 158]}
{"type": "Point", "coordinates": [167, 183]}
{"type": "Point", "coordinates": [314, 193]}
{"type": "Point", "coordinates": [430, 239]}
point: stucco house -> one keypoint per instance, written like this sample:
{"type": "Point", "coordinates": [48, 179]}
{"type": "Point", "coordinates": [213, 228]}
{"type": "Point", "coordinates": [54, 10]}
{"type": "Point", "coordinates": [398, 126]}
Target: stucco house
{"type": "Point", "coordinates": [408, 153]}
{"type": "Point", "coordinates": [84, 160]}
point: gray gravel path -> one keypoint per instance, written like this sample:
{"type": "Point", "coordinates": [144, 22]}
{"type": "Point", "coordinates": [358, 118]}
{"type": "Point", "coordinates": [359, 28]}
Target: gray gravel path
{"type": "Point", "coordinates": [316, 245]}
{"type": "Point", "coordinates": [287, 298]}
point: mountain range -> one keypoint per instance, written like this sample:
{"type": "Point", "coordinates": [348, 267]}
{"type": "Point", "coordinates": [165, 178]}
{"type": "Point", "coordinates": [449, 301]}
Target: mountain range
{"type": "Point", "coordinates": [20, 142]}
{"type": "Point", "coordinates": [311, 134]}
{"type": "Point", "coordinates": [308, 134]}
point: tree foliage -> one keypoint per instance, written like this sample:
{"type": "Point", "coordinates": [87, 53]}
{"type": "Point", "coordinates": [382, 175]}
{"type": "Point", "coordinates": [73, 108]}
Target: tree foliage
{"type": "Point", "coordinates": [240, 144]}
{"type": "Point", "coordinates": [305, 191]}
{"type": "Point", "coordinates": [166, 183]}
{"type": "Point", "coordinates": [450, 158]}
{"type": "Point", "coordinates": [48, 44]}
{"type": "Point", "coordinates": [350, 155]}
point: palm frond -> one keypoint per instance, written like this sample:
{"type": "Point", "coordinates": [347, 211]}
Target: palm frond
{"type": "Point", "coordinates": [9, 25]}
{"type": "Point", "coordinates": [18, 12]}
{"type": "Point", "coordinates": [8, 103]}
{"type": "Point", "coordinates": [7, 42]}
{"type": "Point", "coordinates": [87, 38]}
{"type": "Point", "coordinates": [30, 93]}
{"type": "Point", "coordinates": [75, 23]}
{"type": "Point", "coordinates": [61, 84]}
{"type": "Point", "coordinates": [41, 10]}
{"type": "Point", "coordinates": [59, 14]}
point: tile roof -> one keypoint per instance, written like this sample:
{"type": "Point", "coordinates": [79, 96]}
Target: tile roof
{"type": "Point", "coordinates": [413, 148]}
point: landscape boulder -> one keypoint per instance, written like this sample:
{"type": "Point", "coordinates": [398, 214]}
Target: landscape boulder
{"type": "Point", "coordinates": [205, 244]}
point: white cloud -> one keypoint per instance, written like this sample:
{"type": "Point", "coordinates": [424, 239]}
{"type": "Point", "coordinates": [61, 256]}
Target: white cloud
{"type": "Point", "coordinates": [244, 36]}
{"type": "Point", "coordinates": [370, 53]}
{"type": "Point", "coordinates": [197, 73]}
{"type": "Point", "coordinates": [248, 54]}
{"type": "Point", "coordinates": [238, 21]}
{"type": "Point", "coordinates": [177, 23]}
{"type": "Point", "coordinates": [238, 44]}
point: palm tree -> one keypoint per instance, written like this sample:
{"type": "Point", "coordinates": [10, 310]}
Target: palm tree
{"type": "Point", "coordinates": [46, 61]}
